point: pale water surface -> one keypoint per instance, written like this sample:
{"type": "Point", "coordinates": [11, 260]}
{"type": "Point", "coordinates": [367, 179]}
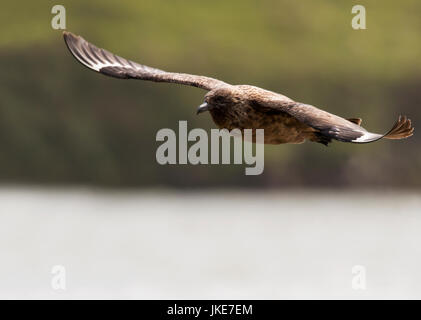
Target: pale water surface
{"type": "Point", "coordinates": [205, 245]}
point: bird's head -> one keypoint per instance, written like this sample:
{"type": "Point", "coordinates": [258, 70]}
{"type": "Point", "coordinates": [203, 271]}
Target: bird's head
{"type": "Point", "coordinates": [218, 99]}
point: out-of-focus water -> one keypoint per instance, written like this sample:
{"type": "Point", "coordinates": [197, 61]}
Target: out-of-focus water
{"type": "Point", "coordinates": [205, 245]}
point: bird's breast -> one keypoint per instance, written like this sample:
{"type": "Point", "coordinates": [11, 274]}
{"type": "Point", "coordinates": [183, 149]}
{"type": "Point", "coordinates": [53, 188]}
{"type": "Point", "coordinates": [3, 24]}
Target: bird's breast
{"type": "Point", "coordinates": [279, 127]}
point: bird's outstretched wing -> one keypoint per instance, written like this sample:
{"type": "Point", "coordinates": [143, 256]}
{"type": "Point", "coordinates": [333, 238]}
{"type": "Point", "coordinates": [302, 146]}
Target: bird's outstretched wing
{"type": "Point", "coordinates": [107, 63]}
{"type": "Point", "coordinates": [331, 126]}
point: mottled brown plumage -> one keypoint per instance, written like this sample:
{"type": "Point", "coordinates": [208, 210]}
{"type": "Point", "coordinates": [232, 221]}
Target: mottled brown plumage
{"type": "Point", "coordinates": [242, 106]}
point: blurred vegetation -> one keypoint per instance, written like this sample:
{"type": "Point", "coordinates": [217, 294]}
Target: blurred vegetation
{"type": "Point", "coordinates": [62, 124]}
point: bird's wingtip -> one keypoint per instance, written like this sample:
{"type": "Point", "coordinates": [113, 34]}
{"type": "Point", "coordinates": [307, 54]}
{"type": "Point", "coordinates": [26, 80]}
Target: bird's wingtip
{"type": "Point", "coordinates": [69, 36]}
{"type": "Point", "coordinates": [402, 129]}
{"type": "Point", "coordinates": [66, 34]}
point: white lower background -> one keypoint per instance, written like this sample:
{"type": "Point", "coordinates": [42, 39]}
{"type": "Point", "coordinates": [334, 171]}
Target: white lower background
{"type": "Point", "coordinates": [209, 245]}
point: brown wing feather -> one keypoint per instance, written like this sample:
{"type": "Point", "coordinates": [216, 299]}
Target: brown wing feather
{"type": "Point", "coordinates": [402, 129]}
{"type": "Point", "coordinates": [326, 124]}
{"type": "Point", "coordinates": [105, 62]}
{"type": "Point", "coordinates": [357, 121]}
{"type": "Point", "coordinates": [330, 125]}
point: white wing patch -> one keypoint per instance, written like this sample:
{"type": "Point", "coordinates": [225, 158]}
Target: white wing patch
{"type": "Point", "coordinates": [368, 137]}
{"type": "Point", "coordinates": [98, 65]}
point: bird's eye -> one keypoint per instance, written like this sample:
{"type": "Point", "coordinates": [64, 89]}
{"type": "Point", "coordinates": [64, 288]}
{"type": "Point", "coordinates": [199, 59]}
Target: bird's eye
{"type": "Point", "coordinates": [219, 99]}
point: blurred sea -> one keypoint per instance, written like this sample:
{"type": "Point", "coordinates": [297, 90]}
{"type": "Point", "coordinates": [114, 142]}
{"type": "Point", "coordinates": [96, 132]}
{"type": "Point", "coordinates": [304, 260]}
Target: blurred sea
{"type": "Point", "coordinates": [205, 245]}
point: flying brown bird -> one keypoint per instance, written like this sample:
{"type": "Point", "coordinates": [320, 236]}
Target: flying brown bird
{"type": "Point", "coordinates": [242, 106]}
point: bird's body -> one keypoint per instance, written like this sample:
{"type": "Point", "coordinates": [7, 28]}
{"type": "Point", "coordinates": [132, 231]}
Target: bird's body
{"type": "Point", "coordinates": [279, 127]}
{"type": "Point", "coordinates": [242, 106]}
{"type": "Point", "coordinates": [244, 113]}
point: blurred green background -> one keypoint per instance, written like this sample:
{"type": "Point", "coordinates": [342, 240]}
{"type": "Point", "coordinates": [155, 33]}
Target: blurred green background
{"type": "Point", "coordinates": [62, 124]}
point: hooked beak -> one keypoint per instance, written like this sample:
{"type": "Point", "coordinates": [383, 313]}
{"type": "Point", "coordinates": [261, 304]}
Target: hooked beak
{"type": "Point", "coordinates": [202, 108]}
